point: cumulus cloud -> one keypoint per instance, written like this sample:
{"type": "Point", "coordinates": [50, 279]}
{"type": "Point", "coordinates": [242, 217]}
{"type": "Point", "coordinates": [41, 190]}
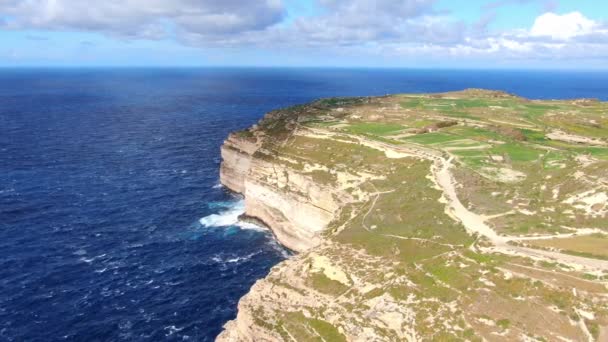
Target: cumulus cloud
{"type": "Point", "coordinates": [233, 22]}
{"type": "Point", "coordinates": [570, 36]}
{"type": "Point", "coordinates": [143, 18]}
{"type": "Point", "coordinates": [551, 37]}
{"type": "Point", "coordinates": [351, 24]}
{"type": "Point", "coordinates": [362, 21]}
{"type": "Point", "coordinates": [563, 27]}
{"type": "Point", "coordinates": [405, 28]}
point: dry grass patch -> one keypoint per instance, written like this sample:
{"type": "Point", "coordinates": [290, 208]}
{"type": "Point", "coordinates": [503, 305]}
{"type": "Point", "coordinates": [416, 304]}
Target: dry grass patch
{"type": "Point", "coordinates": [595, 246]}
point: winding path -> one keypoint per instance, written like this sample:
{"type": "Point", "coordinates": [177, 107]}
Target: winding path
{"type": "Point", "coordinates": [473, 223]}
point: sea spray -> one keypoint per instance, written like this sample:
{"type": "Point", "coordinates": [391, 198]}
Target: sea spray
{"type": "Point", "coordinates": [233, 215]}
{"type": "Point", "coordinates": [228, 217]}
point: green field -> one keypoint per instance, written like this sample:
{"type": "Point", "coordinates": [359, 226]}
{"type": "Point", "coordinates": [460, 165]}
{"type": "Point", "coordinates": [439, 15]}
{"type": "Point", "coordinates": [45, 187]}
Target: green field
{"type": "Point", "coordinates": [374, 128]}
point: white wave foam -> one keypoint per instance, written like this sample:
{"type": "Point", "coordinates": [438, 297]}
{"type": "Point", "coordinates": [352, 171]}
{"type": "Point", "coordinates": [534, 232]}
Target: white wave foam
{"type": "Point", "coordinates": [90, 260]}
{"type": "Point", "coordinates": [279, 248]}
{"type": "Point", "coordinates": [172, 329]}
{"type": "Point", "coordinates": [233, 259]}
{"type": "Point", "coordinates": [251, 226]}
{"type": "Point", "coordinates": [229, 217]}
{"type": "Point", "coordinates": [226, 218]}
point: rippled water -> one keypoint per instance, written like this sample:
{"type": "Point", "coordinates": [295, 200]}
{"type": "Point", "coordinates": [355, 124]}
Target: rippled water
{"type": "Point", "coordinates": [112, 223]}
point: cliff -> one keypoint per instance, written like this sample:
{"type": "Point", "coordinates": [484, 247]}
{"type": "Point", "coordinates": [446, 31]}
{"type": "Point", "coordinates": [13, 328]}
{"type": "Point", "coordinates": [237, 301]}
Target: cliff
{"type": "Point", "coordinates": [473, 215]}
{"type": "Point", "coordinates": [292, 204]}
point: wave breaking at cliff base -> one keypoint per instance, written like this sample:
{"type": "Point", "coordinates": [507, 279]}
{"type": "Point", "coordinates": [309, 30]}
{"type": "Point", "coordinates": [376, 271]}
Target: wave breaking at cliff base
{"type": "Point", "coordinates": [229, 217]}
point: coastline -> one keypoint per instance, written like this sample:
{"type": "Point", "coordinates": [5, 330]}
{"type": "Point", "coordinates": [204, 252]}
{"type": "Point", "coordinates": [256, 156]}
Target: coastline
{"type": "Point", "coordinates": [347, 269]}
{"type": "Point", "coordinates": [296, 216]}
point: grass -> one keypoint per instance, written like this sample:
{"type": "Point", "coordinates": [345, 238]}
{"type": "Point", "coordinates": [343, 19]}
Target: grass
{"type": "Point", "coordinates": [374, 128]}
{"type": "Point", "coordinates": [450, 275]}
{"type": "Point", "coordinates": [475, 159]}
{"type": "Point", "coordinates": [460, 137]}
{"type": "Point", "coordinates": [535, 136]}
{"type": "Point", "coordinates": [476, 133]}
{"type": "Point", "coordinates": [471, 153]}
{"type": "Point", "coordinates": [245, 134]}
{"type": "Point", "coordinates": [412, 103]}
{"type": "Point", "coordinates": [321, 283]}
{"type": "Point", "coordinates": [594, 328]}
{"type": "Point", "coordinates": [553, 157]}
{"type": "Point", "coordinates": [426, 287]}
{"type": "Point", "coordinates": [517, 152]}
{"type": "Point", "coordinates": [594, 246]}
{"type": "Point", "coordinates": [327, 331]}
{"type": "Point", "coordinates": [331, 152]}
{"type": "Point", "coordinates": [420, 123]}
{"type": "Point", "coordinates": [323, 177]}
{"type": "Point", "coordinates": [598, 152]}
{"type": "Point", "coordinates": [460, 104]}
{"type": "Point", "coordinates": [321, 123]}
{"type": "Point", "coordinates": [308, 329]}
{"type": "Point", "coordinates": [384, 140]}
{"type": "Point", "coordinates": [576, 126]}
{"type": "Point", "coordinates": [411, 210]}
{"type": "Point", "coordinates": [484, 259]}
{"type": "Point", "coordinates": [340, 101]}
{"type": "Point", "coordinates": [432, 138]}
{"type": "Point", "coordinates": [459, 108]}
{"type": "Point", "coordinates": [503, 323]}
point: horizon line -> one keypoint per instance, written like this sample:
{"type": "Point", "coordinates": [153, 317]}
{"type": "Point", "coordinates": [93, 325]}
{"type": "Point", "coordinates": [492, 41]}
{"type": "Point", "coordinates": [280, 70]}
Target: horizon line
{"type": "Point", "coordinates": [160, 66]}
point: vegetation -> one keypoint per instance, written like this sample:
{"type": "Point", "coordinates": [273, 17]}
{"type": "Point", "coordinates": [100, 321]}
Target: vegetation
{"type": "Point", "coordinates": [374, 128]}
{"type": "Point", "coordinates": [593, 246]}
{"type": "Point", "coordinates": [533, 172]}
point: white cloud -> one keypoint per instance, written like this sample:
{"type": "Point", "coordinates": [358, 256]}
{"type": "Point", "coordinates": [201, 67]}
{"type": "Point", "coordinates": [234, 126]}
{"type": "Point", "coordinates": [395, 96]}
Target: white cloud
{"type": "Point", "coordinates": [364, 21]}
{"type": "Point", "coordinates": [563, 27]}
{"type": "Point", "coordinates": [234, 22]}
{"type": "Point", "coordinates": [552, 37]}
{"type": "Point", "coordinates": [143, 18]}
{"type": "Point", "coordinates": [377, 28]}
{"type": "Point", "coordinates": [351, 24]}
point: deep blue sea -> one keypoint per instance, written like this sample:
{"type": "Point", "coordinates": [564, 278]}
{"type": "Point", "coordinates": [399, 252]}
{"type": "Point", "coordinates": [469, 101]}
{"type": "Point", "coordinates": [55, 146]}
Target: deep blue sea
{"type": "Point", "coordinates": [112, 224]}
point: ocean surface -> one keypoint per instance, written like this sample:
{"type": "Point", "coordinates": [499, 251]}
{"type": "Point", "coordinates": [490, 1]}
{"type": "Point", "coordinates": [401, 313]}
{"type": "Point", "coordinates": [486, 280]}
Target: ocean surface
{"type": "Point", "coordinates": [113, 226]}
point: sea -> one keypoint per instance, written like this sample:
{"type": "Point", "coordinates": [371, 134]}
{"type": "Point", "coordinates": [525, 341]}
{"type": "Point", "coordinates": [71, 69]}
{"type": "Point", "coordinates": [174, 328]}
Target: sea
{"type": "Point", "coordinates": [113, 224]}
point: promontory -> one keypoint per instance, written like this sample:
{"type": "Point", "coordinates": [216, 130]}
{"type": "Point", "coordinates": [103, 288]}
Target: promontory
{"type": "Point", "coordinates": [466, 216]}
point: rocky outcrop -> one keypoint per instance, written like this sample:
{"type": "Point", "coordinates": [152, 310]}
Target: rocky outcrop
{"type": "Point", "coordinates": [291, 204]}
{"type": "Point", "coordinates": [296, 208]}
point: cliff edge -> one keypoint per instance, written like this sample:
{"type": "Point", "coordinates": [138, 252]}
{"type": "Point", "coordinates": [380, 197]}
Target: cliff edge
{"type": "Point", "coordinates": [289, 201]}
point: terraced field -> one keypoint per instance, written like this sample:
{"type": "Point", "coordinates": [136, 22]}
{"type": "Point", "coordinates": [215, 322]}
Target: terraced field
{"type": "Point", "coordinates": [530, 160]}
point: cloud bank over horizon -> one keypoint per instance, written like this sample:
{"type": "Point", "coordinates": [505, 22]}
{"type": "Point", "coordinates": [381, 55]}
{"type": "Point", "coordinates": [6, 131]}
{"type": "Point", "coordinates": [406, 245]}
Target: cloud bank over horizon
{"type": "Point", "coordinates": [357, 31]}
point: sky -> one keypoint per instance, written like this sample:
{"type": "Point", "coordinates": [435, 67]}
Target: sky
{"type": "Point", "coordinates": [539, 34]}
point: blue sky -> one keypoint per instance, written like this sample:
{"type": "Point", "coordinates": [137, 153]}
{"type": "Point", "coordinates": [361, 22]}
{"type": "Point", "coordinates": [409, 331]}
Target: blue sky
{"type": "Point", "coordinates": [382, 33]}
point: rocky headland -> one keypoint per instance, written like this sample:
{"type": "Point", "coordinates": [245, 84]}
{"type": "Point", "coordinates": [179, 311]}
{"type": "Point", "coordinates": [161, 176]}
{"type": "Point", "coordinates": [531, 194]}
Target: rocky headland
{"type": "Point", "coordinates": [473, 215]}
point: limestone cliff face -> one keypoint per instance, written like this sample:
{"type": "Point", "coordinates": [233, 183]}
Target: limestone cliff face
{"type": "Point", "coordinates": [291, 204]}
{"type": "Point", "coordinates": [236, 162]}
{"type": "Point", "coordinates": [296, 208]}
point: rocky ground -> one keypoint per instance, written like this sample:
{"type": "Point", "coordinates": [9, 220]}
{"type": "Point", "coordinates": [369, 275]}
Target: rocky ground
{"type": "Point", "coordinates": [473, 215]}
